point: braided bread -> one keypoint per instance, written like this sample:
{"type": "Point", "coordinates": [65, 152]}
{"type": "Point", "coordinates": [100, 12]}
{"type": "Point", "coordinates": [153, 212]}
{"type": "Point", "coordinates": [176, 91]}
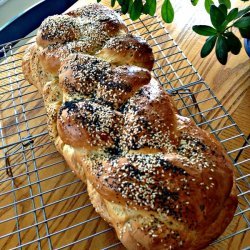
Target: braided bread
{"type": "Point", "coordinates": [158, 179]}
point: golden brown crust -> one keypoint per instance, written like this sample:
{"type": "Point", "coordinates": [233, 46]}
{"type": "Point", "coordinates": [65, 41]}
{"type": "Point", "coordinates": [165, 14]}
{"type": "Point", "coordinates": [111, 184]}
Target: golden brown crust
{"type": "Point", "coordinates": [139, 229]}
{"type": "Point", "coordinates": [102, 18]}
{"type": "Point", "coordinates": [52, 56]}
{"type": "Point", "coordinates": [192, 208]}
{"type": "Point", "coordinates": [93, 24]}
{"type": "Point", "coordinates": [150, 120]}
{"type": "Point", "coordinates": [26, 64]}
{"type": "Point", "coordinates": [32, 68]}
{"type": "Point", "coordinates": [177, 183]}
{"type": "Point", "coordinates": [117, 85]}
{"type": "Point", "coordinates": [58, 29]}
{"type": "Point", "coordinates": [88, 124]}
{"type": "Point", "coordinates": [52, 96]}
{"type": "Point", "coordinates": [127, 49]}
{"type": "Point", "coordinates": [151, 174]}
{"type": "Point", "coordinates": [80, 73]}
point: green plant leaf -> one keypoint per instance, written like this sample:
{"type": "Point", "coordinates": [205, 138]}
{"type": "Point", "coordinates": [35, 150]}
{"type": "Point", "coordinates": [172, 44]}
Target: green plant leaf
{"type": "Point", "coordinates": [245, 33]}
{"type": "Point", "coordinates": [136, 10]}
{"type": "Point", "coordinates": [113, 3]}
{"type": "Point", "coordinates": [125, 6]}
{"type": "Point", "coordinates": [149, 7]}
{"type": "Point", "coordinates": [208, 4]}
{"type": "Point", "coordinates": [194, 2]}
{"type": "Point", "coordinates": [130, 6]}
{"type": "Point", "coordinates": [98, 1]}
{"type": "Point", "coordinates": [221, 50]}
{"type": "Point", "coordinates": [152, 8]}
{"type": "Point", "coordinates": [243, 22]}
{"type": "Point", "coordinates": [223, 8]}
{"type": "Point", "coordinates": [208, 46]}
{"type": "Point", "coordinates": [243, 11]}
{"type": "Point", "coordinates": [226, 2]}
{"type": "Point", "coordinates": [167, 11]}
{"type": "Point", "coordinates": [232, 15]}
{"type": "Point", "coordinates": [229, 18]}
{"type": "Point", "coordinates": [145, 8]}
{"type": "Point", "coordinates": [217, 16]}
{"type": "Point", "coordinates": [204, 30]}
{"type": "Point", "coordinates": [233, 43]}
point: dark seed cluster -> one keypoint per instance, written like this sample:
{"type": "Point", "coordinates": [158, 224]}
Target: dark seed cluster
{"type": "Point", "coordinates": [86, 29]}
{"type": "Point", "coordinates": [141, 180]}
{"type": "Point", "coordinates": [140, 131]}
{"type": "Point", "coordinates": [112, 89]}
{"type": "Point", "coordinates": [86, 74]}
{"type": "Point", "coordinates": [62, 27]}
{"type": "Point", "coordinates": [100, 121]}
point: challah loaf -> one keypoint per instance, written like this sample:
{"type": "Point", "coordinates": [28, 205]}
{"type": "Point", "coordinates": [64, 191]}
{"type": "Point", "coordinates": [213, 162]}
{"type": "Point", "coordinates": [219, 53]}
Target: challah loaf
{"type": "Point", "coordinates": [158, 179]}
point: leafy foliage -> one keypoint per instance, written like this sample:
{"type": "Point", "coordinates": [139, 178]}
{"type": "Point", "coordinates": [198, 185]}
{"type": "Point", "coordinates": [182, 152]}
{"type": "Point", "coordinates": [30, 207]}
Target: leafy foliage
{"type": "Point", "coordinates": [224, 40]}
{"type": "Point", "coordinates": [204, 30]}
{"type": "Point", "coordinates": [224, 21]}
{"type": "Point", "coordinates": [208, 46]}
{"type": "Point", "coordinates": [136, 9]}
{"type": "Point", "coordinates": [226, 2]}
{"type": "Point", "coordinates": [221, 49]}
{"type": "Point", "coordinates": [149, 7]}
{"type": "Point", "coordinates": [167, 11]}
{"type": "Point", "coordinates": [208, 4]}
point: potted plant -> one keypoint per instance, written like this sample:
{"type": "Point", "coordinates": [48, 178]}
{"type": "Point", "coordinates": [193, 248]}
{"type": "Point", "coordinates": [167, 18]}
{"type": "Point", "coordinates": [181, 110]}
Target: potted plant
{"type": "Point", "coordinates": [221, 35]}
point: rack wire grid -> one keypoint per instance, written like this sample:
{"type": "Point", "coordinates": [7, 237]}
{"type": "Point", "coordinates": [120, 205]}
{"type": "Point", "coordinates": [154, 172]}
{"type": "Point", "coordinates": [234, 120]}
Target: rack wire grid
{"type": "Point", "coordinates": [42, 204]}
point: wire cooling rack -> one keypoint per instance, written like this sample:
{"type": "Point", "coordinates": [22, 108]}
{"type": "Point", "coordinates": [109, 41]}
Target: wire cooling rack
{"type": "Point", "coordinates": [43, 205]}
